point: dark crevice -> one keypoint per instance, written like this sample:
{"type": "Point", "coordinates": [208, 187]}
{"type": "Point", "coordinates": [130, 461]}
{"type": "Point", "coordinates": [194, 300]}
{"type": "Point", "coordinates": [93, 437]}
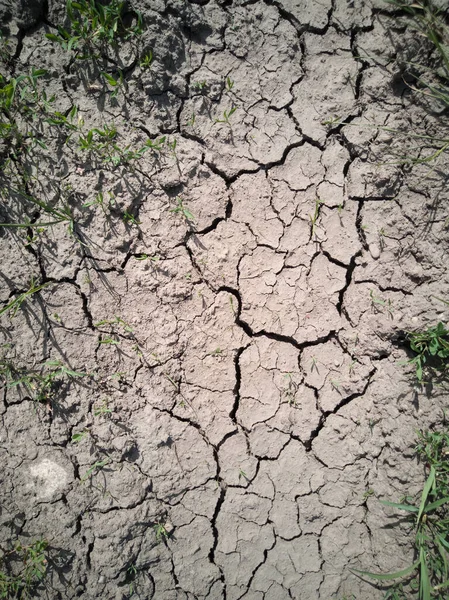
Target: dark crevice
{"type": "Point", "coordinates": [294, 22]}
{"type": "Point", "coordinates": [358, 224]}
{"type": "Point", "coordinates": [364, 64]}
{"type": "Point", "coordinates": [230, 179]}
{"type": "Point", "coordinates": [386, 289]}
{"type": "Point", "coordinates": [218, 506]}
{"type": "Point", "coordinates": [340, 124]}
{"type": "Point", "coordinates": [90, 548]}
{"type": "Point", "coordinates": [238, 380]}
{"type": "Point", "coordinates": [349, 273]}
{"type": "Point", "coordinates": [341, 404]}
{"type": "Point", "coordinates": [253, 574]}
{"type": "Point", "coordinates": [269, 334]}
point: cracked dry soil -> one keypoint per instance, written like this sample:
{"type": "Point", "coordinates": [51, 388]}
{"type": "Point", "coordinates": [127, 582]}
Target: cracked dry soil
{"type": "Point", "coordinates": [258, 408]}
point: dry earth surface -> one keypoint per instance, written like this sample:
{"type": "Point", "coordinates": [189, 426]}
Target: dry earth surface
{"type": "Point", "coordinates": [245, 405]}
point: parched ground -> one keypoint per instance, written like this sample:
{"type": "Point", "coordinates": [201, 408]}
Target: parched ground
{"type": "Point", "coordinates": [245, 402]}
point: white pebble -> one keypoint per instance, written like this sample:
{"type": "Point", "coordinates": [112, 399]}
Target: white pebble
{"type": "Point", "coordinates": [374, 251]}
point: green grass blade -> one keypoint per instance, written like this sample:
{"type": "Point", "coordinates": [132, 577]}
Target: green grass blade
{"type": "Point", "coordinates": [388, 576]}
{"type": "Point", "coordinates": [429, 485]}
{"type": "Point", "coordinates": [441, 586]}
{"type": "Point", "coordinates": [436, 504]}
{"type": "Point", "coordinates": [424, 581]}
{"type": "Point", "coordinates": [407, 507]}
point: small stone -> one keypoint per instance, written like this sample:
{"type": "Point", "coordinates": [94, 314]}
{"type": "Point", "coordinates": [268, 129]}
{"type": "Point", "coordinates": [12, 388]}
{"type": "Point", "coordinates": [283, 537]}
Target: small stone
{"type": "Point", "coordinates": [374, 251]}
{"type": "Point", "coordinates": [101, 579]}
{"type": "Point", "coordinates": [169, 527]}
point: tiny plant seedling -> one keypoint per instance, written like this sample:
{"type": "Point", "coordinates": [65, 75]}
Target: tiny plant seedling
{"type": "Point", "coordinates": [290, 389]}
{"type": "Point", "coordinates": [227, 114]}
{"type": "Point", "coordinates": [116, 321]}
{"type": "Point", "coordinates": [199, 85]}
{"type": "Point", "coordinates": [380, 302]}
{"type": "Point", "coordinates": [147, 60]}
{"type": "Point", "coordinates": [182, 210]}
{"type": "Point", "coordinates": [129, 218]}
{"type": "Point", "coordinates": [315, 215]}
{"type": "Point", "coordinates": [102, 409]}
{"type": "Point", "coordinates": [116, 84]}
{"type": "Point", "coordinates": [161, 532]}
{"type": "Point", "coordinates": [97, 466]}
{"type": "Point", "coordinates": [77, 437]}
{"type": "Point", "coordinates": [14, 305]}
{"type": "Point", "coordinates": [102, 202]}
{"type": "Point", "coordinates": [243, 475]}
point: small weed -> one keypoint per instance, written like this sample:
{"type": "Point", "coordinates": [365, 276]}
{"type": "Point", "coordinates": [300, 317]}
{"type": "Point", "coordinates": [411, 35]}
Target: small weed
{"type": "Point", "coordinates": [380, 302]}
{"type": "Point", "coordinates": [182, 210]}
{"type": "Point", "coordinates": [102, 202]}
{"type": "Point", "coordinates": [216, 352]}
{"type": "Point", "coordinates": [335, 384]}
{"type": "Point", "coordinates": [77, 437]}
{"type": "Point", "coordinates": [352, 365]}
{"type": "Point", "coordinates": [102, 409]}
{"type": "Point", "coordinates": [291, 389]}
{"type": "Point", "coordinates": [97, 466]}
{"type": "Point", "coordinates": [174, 383]}
{"type": "Point", "coordinates": [147, 60]}
{"type": "Point", "coordinates": [14, 305]}
{"type": "Point", "coordinates": [42, 384]}
{"type": "Point", "coordinates": [93, 26]}
{"type": "Point", "coordinates": [199, 85]}
{"type": "Point", "coordinates": [229, 83]}
{"type": "Point", "coordinates": [129, 218]}
{"type": "Point", "coordinates": [316, 214]}
{"type": "Point", "coordinates": [101, 144]}
{"type": "Point", "coordinates": [231, 303]}
{"type": "Point", "coordinates": [59, 215]}
{"type": "Point", "coordinates": [226, 116]}
{"type": "Point", "coordinates": [243, 475]}
{"type": "Point", "coordinates": [143, 256]}
{"type": "Point", "coordinates": [116, 321]}
{"type": "Point", "coordinates": [433, 343]}
{"type": "Point", "coordinates": [116, 84]}
{"type": "Point", "coordinates": [21, 583]}
{"type": "Point", "coordinates": [109, 341]}
{"type": "Point", "coordinates": [5, 50]}
{"type": "Point", "coordinates": [161, 532]}
{"type": "Point", "coordinates": [131, 575]}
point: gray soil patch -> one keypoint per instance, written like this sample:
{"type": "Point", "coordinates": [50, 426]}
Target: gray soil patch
{"type": "Point", "coordinates": [235, 305]}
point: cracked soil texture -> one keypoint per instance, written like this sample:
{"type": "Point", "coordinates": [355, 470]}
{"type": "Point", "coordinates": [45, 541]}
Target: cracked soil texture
{"type": "Point", "coordinates": [256, 405]}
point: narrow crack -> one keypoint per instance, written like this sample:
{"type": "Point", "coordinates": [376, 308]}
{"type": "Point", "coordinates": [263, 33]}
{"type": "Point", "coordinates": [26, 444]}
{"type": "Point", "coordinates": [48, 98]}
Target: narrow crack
{"type": "Point", "coordinates": [309, 444]}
